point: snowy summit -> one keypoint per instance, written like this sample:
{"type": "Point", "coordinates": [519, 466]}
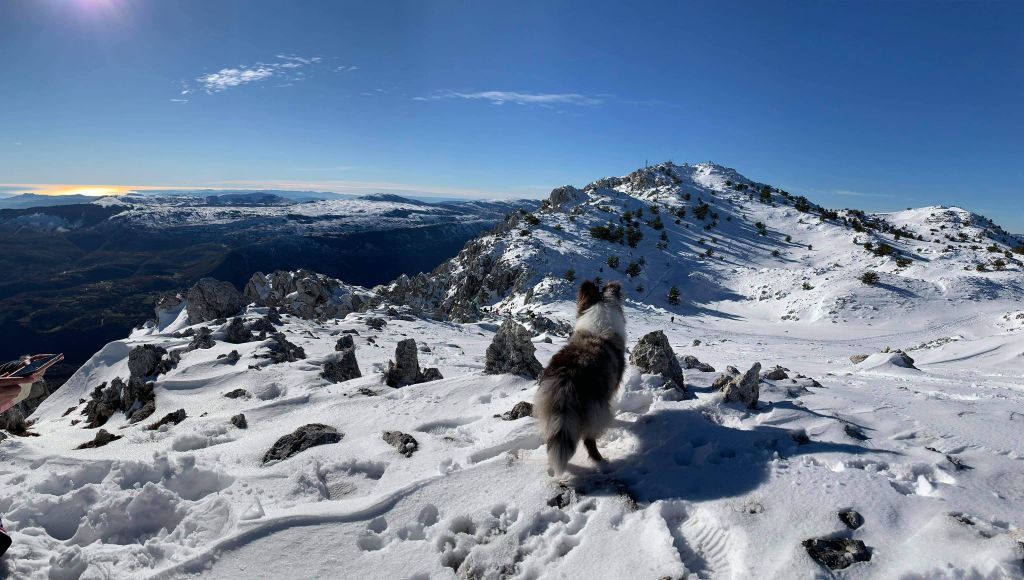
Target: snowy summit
{"type": "Point", "coordinates": [809, 390]}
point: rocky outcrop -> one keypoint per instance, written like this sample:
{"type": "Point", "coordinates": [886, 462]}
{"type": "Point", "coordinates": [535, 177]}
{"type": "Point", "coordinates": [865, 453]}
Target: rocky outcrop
{"type": "Point", "coordinates": [300, 440]}
{"type": "Point", "coordinates": [305, 294]}
{"type": "Point", "coordinates": [561, 198]}
{"type": "Point", "coordinates": [210, 299]}
{"type": "Point", "coordinates": [341, 366]}
{"type": "Point", "coordinates": [744, 388]}
{"type": "Point", "coordinates": [691, 362]}
{"type": "Point", "coordinates": [375, 322]}
{"type": "Point", "coordinates": [236, 332]}
{"type": "Point", "coordinates": [279, 350]}
{"type": "Point", "coordinates": [654, 355]}
{"type": "Point", "coordinates": [135, 399]}
{"type": "Point", "coordinates": [405, 444]}
{"type": "Point", "coordinates": [145, 361]}
{"type": "Point", "coordinates": [837, 554]}
{"type": "Point", "coordinates": [520, 410]}
{"type": "Point", "coordinates": [102, 438]}
{"type": "Point", "coordinates": [512, 352]}
{"type": "Point", "coordinates": [405, 369]}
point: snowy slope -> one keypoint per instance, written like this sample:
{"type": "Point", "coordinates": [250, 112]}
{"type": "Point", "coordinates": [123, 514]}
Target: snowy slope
{"type": "Point", "coordinates": [932, 457]}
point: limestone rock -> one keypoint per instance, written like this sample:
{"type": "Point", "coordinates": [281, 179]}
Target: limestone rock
{"type": "Point", "coordinates": [745, 388]}
{"type": "Point", "coordinates": [654, 355]}
{"type": "Point", "coordinates": [301, 439]}
{"type": "Point", "coordinates": [210, 299]}
{"type": "Point", "coordinates": [102, 438]}
{"type": "Point", "coordinates": [512, 352]}
{"type": "Point", "coordinates": [837, 554]}
{"type": "Point", "coordinates": [520, 410]}
{"type": "Point", "coordinates": [239, 421]}
{"type": "Point", "coordinates": [169, 419]}
{"type": "Point", "coordinates": [341, 366]}
{"type": "Point", "coordinates": [691, 362]}
{"type": "Point", "coordinates": [236, 332]}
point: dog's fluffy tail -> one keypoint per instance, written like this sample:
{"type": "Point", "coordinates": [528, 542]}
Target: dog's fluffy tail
{"type": "Point", "coordinates": [560, 417]}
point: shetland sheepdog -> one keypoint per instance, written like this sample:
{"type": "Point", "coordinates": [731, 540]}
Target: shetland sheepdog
{"type": "Point", "coordinates": [576, 389]}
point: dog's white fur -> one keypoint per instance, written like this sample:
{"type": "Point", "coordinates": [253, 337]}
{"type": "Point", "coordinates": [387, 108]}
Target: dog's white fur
{"type": "Point", "coordinates": [602, 319]}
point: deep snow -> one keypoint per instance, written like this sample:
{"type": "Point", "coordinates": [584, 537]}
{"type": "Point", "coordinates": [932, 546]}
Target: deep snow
{"type": "Point", "coordinates": [932, 457]}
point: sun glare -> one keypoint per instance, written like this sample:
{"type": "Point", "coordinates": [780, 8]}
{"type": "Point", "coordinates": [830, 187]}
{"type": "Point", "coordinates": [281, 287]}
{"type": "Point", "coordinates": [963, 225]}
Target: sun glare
{"type": "Point", "coordinates": [90, 190]}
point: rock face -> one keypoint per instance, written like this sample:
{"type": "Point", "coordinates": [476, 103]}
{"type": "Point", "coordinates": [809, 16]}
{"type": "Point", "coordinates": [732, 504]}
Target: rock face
{"type": "Point", "coordinates": [654, 355]}
{"type": "Point", "coordinates": [169, 419]}
{"type": "Point", "coordinates": [210, 299]}
{"type": "Point", "coordinates": [744, 388]}
{"type": "Point", "coordinates": [341, 366]}
{"type": "Point", "coordinates": [236, 332]}
{"type": "Point", "coordinates": [520, 410]}
{"type": "Point", "coordinates": [167, 302]}
{"type": "Point", "coordinates": [144, 361]}
{"type": "Point", "coordinates": [102, 438]}
{"type": "Point", "coordinates": [239, 421]}
{"type": "Point", "coordinates": [305, 294]}
{"type": "Point", "coordinates": [691, 362]}
{"type": "Point", "coordinates": [300, 440]}
{"type": "Point", "coordinates": [405, 444]}
{"type": "Point", "coordinates": [405, 369]}
{"type": "Point", "coordinates": [279, 350]}
{"type": "Point", "coordinates": [512, 352]}
{"type": "Point", "coordinates": [135, 399]}
{"type": "Point", "coordinates": [837, 554]}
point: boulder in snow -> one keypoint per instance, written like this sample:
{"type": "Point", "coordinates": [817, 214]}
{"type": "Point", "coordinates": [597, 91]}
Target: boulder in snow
{"type": "Point", "coordinates": [210, 299]}
{"type": "Point", "coordinates": [239, 421]}
{"type": "Point", "coordinates": [691, 362]}
{"type": "Point", "coordinates": [405, 369]}
{"type": "Point", "coordinates": [776, 374]}
{"type": "Point", "coordinates": [654, 355]}
{"type": "Point", "coordinates": [520, 410]}
{"type": "Point", "coordinates": [279, 350]}
{"type": "Point", "coordinates": [300, 440]}
{"type": "Point", "coordinates": [837, 554]}
{"type": "Point", "coordinates": [202, 339]}
{"type": "Point", "coordinates": [745, 388]}
{"type": "Point", "coordinates": [341, 366]}
{"type": "Point", "coordinates": [512, 352]}
{"type": "Point", "coordinates": [144, 360]}
{"type": "Point", "coordinates": [236, 331]}
{"type": "Point", "coordinates": [172, 418]}
{"type": "Point", "coordinates": [102, 438]}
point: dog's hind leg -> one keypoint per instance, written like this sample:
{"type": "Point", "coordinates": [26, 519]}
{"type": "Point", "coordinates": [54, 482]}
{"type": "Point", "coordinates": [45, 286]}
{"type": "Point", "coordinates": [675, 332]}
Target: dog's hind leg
{"type": "Point", "coordinates": [592, 451]}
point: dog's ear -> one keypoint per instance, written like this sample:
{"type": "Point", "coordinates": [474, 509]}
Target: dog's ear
{"type": "Point", "coordinates": [612, 290]}
{"type": "Point", "coordinates": [588, 296]}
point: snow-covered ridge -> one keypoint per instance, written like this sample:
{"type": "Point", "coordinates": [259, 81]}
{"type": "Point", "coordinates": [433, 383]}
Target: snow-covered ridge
{"type": "Point", "coordinates": [910, 449]}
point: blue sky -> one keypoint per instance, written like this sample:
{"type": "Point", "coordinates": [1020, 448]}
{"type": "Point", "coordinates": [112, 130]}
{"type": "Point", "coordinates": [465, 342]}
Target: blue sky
{"type": "Point", "coordinates": [872, 105]}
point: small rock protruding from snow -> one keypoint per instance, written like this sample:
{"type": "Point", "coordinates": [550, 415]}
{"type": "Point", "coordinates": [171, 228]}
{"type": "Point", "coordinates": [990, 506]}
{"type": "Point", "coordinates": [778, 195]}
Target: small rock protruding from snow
{"type": "Point", "coordinates": [236, 332]}
{"type": "Point", "coordinates": [210, 299]}
{"type": "Point", "coordinates": [405, 369]}
{"type": "Point", "coordinates": [512, 352]}
{"type": "Point", "coordinates": [405, 444]}
{"type": "Point", "coordinates": [102, 438]}
{"type": "Point", "coordinates": [341, 366]}
{"type": "Point", "coordinates": [236, 393]}
{"type": "Point", "coordinates": [520, 410]}
{"type": "Point", "coordinates": [744, 388]}
{"type": "Point", "coordinates": [279, 350]}
{"type": "Point", "coordinates": [300, 440]}
{"type": "Point", "coordinates": [837, 554]}
{"type": "Point", "coordinates": [858, 358]}
{"type": "Point", "coordinates": [172, 418]}
{"type": "Point", "coordinates": [231, 358]}
{"type": "Point", "coordinates": [691, 362]}
{"type": "Point", "coordinates": [202, 339]}
{"type": "Point", "coordinates": [776, 374]}
{"type": "Point", "coordinates": [851, 519]}
{"type": "Point", "coordinates": [654, 355]}
{"type": "Point", "coordinates": [376, 322]}
{"type": "Point", "coordinates": [239, 421]}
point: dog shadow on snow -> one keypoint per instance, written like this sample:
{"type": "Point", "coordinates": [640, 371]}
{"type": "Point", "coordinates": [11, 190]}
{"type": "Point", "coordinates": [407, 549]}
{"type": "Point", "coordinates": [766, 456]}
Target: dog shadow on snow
{"type": "Point", "coordinates": [683, 454]}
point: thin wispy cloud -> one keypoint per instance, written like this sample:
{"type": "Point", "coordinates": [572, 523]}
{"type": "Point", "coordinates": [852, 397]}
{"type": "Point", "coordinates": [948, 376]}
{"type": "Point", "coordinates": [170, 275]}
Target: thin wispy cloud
{"type": "Point", "coordinates": [849, 193]}
{"type": "Point", "coordinates": [286, 70]}
{"type": "Point", "coordinates": [519, 98]}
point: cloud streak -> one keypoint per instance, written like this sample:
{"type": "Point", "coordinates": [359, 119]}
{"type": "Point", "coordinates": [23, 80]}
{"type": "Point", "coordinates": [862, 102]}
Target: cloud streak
{"type": "Point", "coordinates": [286, 70]}
{"type": "Point", "coordinates": [519, 98]}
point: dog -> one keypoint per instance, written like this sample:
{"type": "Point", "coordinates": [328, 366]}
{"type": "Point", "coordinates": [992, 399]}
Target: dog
{"type": "Point", "coordinates": [576, 389]}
